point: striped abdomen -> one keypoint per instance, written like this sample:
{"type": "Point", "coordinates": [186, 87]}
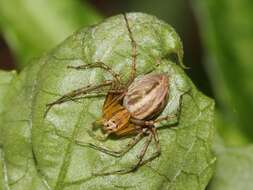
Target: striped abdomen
{"type": "Point", "coordinates": [147, 96]}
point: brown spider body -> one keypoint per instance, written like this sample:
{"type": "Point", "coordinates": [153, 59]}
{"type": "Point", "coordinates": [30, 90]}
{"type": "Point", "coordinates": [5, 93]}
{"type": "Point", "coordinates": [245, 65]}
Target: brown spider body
{"type": "Point", "coordinates": [116, 118]}
{"type": "Point", "coordinates": [144, 99]}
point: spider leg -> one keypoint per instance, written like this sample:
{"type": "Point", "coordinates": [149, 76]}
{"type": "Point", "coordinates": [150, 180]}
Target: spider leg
{"type": "Point", "coordinates": [134, 51]}
{"type": "Point", "coordinates": [115, 153]}
{"type": "Point", "coordinates": [158, 148]}
{"type": "Point", "coordinates": [135, 166]}
{"type": "Point", "coordinates": [123, 151]}
{"type": "Point", "coordinates": [100, 65]}
{"type": "Point", "coordinates": [162, 118]}
{"type": "Point", "coordinates": [90, 95]}
{"type": "Point", "coordinates": [73, 94]}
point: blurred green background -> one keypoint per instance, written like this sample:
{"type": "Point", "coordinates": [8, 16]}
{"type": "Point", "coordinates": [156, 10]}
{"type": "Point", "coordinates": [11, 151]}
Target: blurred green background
{"type": "Point", "coordinates": [218, 43]}
{"type": "Point", "coordinates": [217, 37]}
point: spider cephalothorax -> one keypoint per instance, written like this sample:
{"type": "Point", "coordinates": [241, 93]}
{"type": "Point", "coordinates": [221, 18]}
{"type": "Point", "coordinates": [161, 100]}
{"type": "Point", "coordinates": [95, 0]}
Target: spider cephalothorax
{"type": "Point", "coordinates": [129, 108]}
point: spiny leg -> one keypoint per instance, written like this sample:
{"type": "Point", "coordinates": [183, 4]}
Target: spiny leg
{"type": "Point", "coordinates": [118, 153]}
{"type": "Point", "coordinates": [89, 95]}
{"type": "Point", "coordinates": [150, 123]}
{"type": "Point", "coordinates": [124, 150]}
{"type": "Point", "coordinates": [80, 143]}
{"type": "Point", "coordinates": [158, 147]}
{"type": "Point", "coordinates": [134, 51]}
{"type": "Point", "coordinates": [135, 166]}
{"type": "Point", "coordinates": [71, 95]}
{"type": "Point", "coordinates": [140, 157]}
{"type": "Point", "coordinates": [98, 65]}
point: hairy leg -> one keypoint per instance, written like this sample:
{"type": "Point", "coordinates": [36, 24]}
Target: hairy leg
{"type": "Point", "coordinates": [158, 147]}
{"type": "Point", "coordinates": [134, 51]}
{"type": "Point", "coordinates": [135, 166]}
{"type": "Point", "coordinates": [123, 151]}
{"type": "Point", "coordinates": [75, 93]}
{"type": "Point", "coordinates": [115, 153]}
{"type": "Point", "coordinates": [100, 65]}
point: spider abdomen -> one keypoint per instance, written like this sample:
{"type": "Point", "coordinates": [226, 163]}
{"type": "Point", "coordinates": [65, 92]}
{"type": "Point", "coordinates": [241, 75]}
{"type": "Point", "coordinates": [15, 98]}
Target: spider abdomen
{"type": "Point", "coordinates": [147, 96]}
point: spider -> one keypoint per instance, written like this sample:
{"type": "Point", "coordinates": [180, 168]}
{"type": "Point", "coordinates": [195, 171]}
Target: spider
{"type": "Point", "coordinates": [129, 109]}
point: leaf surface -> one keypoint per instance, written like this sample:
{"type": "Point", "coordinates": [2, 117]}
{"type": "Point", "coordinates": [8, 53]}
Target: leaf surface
{"type": "Point", "coordinates": [47, 160]}
{"type": "Point", "coordinates": [5, 80]}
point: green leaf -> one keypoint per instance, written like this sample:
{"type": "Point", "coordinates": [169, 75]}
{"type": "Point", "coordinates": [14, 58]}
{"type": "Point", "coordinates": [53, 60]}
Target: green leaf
{"type": "Point", "coordinates": [234, 168]}
{"type": "Point", "coordinates": [18, 166]}
{"type": "Point", "coordinates": [33, 27]}
{"type": "Point", "coordinates": [37, 157]}
{"type": "Point", "coordinates": [5, 79]}
{"type": "Point", "coordinates": [227, 33]}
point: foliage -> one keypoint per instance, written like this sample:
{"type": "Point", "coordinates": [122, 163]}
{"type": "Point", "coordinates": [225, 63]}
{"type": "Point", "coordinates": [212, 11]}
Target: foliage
{"type": "Point", "coordinates": [227, 33]}
{"type": "Point", "coordinates": [35, 156]}
{"type": "Point", "coordinates": [234, 167]}
{"type": "Point", "coordinates": [33, 27]}
{"type": "Point", "coordinates": [227, 28]}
